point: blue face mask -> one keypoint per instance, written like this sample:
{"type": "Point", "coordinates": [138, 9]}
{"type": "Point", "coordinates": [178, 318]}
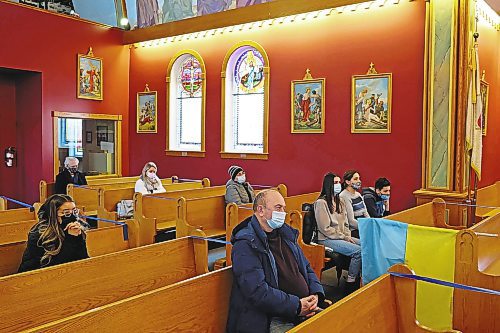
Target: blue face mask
{"type": "Point", "coordinates": [337, 188]}
{"type": "Point", "coordinates": [277, 220]}
{"type": "Point", "coordinates": [385, 197]}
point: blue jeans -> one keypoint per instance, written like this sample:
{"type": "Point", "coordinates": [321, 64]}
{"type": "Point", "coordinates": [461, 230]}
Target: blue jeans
{"type": "Point", "coordinates": [280, 325]}
{"type": "Point", "coordinates": [348, 249]}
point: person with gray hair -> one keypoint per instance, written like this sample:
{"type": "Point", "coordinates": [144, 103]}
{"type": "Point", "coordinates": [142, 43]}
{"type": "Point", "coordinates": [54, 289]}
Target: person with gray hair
{"type": "Point", "coordinates": [149, 182]}
{"type": "Point", "coordinates": [70, 175]}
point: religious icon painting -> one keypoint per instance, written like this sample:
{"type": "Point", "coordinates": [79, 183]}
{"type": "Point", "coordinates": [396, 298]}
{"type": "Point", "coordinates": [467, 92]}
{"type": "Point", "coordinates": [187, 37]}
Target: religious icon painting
{"type": "Point", "coordinates": [191, 77]}
{"type": "Point", "coordinates": [308, 105]}
{"type": "Point", "coordinates": [484, 90]}
{"type": "Point", "coordinates": [89, 76]}
{"type": "Point", "coordinates": [147, 116]}
{"type": "Point", "coordinates": [371, 102]}
{"type": "Point", "coordinates": [249, 72]}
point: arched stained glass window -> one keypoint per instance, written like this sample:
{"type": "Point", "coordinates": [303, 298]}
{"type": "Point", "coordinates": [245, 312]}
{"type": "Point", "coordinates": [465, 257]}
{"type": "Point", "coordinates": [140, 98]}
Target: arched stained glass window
{"type": "Point", "coordinates": [186, 105]}
{"type": "Point", "coordinates": [245, 104]}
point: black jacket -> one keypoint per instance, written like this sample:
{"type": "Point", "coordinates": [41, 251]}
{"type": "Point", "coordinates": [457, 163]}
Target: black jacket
{"type": "Point", "coordinates": [374, 203]}
{"type": "Point", "coordinates": [73, 248]}
{"type": "Point", "coordinates": [64, 178]}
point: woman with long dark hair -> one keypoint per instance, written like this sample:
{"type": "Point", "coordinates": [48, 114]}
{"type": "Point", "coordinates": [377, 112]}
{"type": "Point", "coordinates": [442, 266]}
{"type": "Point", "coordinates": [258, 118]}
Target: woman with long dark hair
{"type": "Point", "coordinates": [333, 226]}
{"type": "Point", "coordinates": [355, 205]}
{"type": "Point", "coordinates": [57, 238]}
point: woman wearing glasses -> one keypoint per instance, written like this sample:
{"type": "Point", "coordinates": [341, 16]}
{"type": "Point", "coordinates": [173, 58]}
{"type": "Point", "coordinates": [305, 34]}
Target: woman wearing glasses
{"type": "Point", "coordinates": [57, 238]}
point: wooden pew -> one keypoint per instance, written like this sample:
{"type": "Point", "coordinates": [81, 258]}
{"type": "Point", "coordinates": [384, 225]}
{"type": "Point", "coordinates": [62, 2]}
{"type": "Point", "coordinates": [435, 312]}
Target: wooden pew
{"type": "Point", "coordinates": [234, 215]}
{"type": "Point", "coordinates": [110, 197]}
{"type": "Point", "coordinates": [17, 215]}
{"type": "Point", "coordinates": [431, 214]}
{"type": "Point", "coordinates": [386, 305]}
{"type": "Point", "coordinates": [200, 304]}
{"type": "Point", "coordinates": [51, 294]}
{"type": "Point", "coordinates": [488, 196]}
{"type": "Point", "coordinates": [158, 212]}
{"type": "Point", "coordinates": [3, 204]}
{"type": "Point", "coordinates": [295, 202]}
{"type": "Point", "coordinates": [205, 214]}
{"type": "Point", "coordinates": [99, 242]}
{"type": "Point", "coordinates": [477, 263]}
{"type": "Point", "coordinates": [15, 231]}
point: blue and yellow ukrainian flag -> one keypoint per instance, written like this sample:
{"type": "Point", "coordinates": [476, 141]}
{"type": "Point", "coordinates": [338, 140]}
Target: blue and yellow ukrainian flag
{"type": "Point", "coordinates": [428, 251]}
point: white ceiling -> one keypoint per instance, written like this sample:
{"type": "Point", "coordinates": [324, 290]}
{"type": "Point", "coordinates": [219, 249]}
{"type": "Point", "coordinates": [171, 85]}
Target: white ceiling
{"type": "Point", "coordinates": [495, 4]}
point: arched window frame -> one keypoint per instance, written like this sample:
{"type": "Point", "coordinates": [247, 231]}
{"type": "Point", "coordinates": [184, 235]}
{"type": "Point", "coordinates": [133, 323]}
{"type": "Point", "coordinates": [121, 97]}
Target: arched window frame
{"type": "Point", "coordinates": [170, 76]}
{"type": "Point", "coordinates": [266, 71]}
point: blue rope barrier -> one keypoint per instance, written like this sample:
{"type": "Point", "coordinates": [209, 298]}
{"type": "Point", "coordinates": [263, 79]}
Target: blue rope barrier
{"type": "Point", "coordinates": [20, 203]}
{"type": "Point", "coordinates": [157, 197]}
{"type": "Point", "coordinates": [262, 186]}
{"type": "Point", "coordinates": [211, 239]}
{"type": "Point", "coordinates": [189, 180]}
{"type": "Point", "coordinates": [124, 225]}
{"type": "Point", "coordinates": [446, 283]}
{"type": "Point", "coordinates": [86, 187]}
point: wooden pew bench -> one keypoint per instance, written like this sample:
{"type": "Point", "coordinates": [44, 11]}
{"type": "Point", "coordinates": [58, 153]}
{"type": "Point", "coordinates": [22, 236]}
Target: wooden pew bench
{"type": "Point", "coordinates": [110, 197]}
{"type": "Point", "coordinates": [204, 214]}
{"type": "Point", "coordinates": [66, 290]}
{"type": "Point", "coordinates": [199, 304]}
{"type": "Point", "coordinates": [386, 305]}
{"type": "Point", "coordinates": [431, 214]}
{"type": "Point", "coordinates": [158, 212]}
{"type": "Point", "coordinates": [488, 196]}
{"type": "Point", "coordinates": [17, 215]}
{"type": "Point", "coordinates": [477, 263]}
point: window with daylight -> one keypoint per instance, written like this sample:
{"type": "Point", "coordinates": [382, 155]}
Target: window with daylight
{"type": "Point", "coordinates": [186, 105]}
{"type": "Point", "coordinates": [245, 105]}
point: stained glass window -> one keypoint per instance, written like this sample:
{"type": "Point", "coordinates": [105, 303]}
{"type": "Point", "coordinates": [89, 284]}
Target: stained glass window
{"type": "Point", "coordinates": [245, 102]}
{"type": "Point", "coordinates": [186, 104]}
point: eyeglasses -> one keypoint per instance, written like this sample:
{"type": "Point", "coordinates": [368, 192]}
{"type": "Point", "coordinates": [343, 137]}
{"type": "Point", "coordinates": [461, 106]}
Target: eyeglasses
{"type": "Point", "coordinates": [68, 213]}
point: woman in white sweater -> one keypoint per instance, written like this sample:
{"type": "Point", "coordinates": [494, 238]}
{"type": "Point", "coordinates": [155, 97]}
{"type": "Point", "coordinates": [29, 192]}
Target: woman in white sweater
{"type": "Point", "coordinates": [333, 226]}
{"type": "Point", "coordinates": [149, 182]}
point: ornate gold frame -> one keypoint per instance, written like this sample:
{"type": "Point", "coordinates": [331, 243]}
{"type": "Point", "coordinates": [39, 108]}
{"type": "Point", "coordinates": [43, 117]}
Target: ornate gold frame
{"type": "Point", "coordinates": [137, 115]}
{"type": "Point", "coordinates": [265, 153]}
{"type": "Point", "coordinates": [371, 74]}
{"type": "Point", "coordinates": [198, 57]}
{"type": "Point", "coordinates": [486, 85]}
{"type": "Point", "coordinates": [118, 138]}
{"type": "Point", "coordinates": [90, 56]}
{"type": "Point", "coordinates": [308, 79]}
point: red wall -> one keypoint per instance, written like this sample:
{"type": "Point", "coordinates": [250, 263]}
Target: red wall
{"type": "Point", "coordinates": [489, 54]}
{"type": "Point", "coordinates": [8, 133]}
{"type": "Point", "coordinates": [335, 47]}
{"type": "Point", "coordinates": [49, 44]}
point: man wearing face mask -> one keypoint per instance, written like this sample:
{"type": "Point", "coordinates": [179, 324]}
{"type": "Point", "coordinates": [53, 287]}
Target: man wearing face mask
{"type": "Point", "coordinates": [238, 190]}
{"type": "Point", "coordinates": [377, 198]}
{"type": "Point", "coordinates": [70, 175]}
{"type": "Point", "coordinates": [274, 287]}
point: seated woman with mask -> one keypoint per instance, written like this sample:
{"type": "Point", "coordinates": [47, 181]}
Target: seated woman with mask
{"type": "Point", "coordinates": [149, 182]}
{"type": "Point", "coordinates": [57, 238]}
{"type": "Point", "coordinates": [238, 190]}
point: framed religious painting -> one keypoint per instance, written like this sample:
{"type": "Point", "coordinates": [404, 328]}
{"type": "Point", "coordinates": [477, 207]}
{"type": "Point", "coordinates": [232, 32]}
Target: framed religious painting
{"type": "Point", "coordinates": [308, 105]}
{"type": "Point", "coordinates": [147, 115]}
{"type": "Point", "coordinates": [371, 102]}
{"type": "Point", "coordinates": [484, 90]}
{"type": "Point", "coordinates": [89, 76]}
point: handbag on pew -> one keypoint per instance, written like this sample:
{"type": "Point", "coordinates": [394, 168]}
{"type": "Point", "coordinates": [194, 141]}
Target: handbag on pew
{"type": "Point", "coordinates": [125, 209]}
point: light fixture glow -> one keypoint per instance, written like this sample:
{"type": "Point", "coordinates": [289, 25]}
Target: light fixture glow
{"type": "Point", "coordinates": [123, 21]}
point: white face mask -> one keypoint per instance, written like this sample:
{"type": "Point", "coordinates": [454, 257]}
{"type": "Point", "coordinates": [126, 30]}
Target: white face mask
{"type": "Point", "coordinates": [151, 175]}
{"type": "Point", "coordinates": [337, 188]}
{"type": "Point", "coordinates": [241, 179]}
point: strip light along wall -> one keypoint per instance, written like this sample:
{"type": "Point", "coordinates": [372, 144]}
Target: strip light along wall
{"type": "Point", "coordinates": [485, 12]}
{"type": "Point", "coordinates": [277, 21]}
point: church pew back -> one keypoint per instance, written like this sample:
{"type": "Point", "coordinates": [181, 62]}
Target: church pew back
{"type": "Point", "coordinates": [52, 293]}
{"type": "Point", "coordinates": [477, 263]}
{"type": "Point", "coordinates": [295, 202]}
{"type": "Point", "coordinates": [200, 304]}
{"type": "Point", "coordinates": [488, 196]}
{"type": "Point", "coordinates": [110, 197]}
{"type": "Point", "coordinates": [10, 257]}
{"type": "Point", "coordinates": [206, 214]}
{"type": "Point", "coordinates": [385, 305]}
{"type": "Point", "coordinates": [15, 232]}
{"type": "Point", "coordinates": [431, 214]}
{"type": "Point", "coordinates": [16, 215]}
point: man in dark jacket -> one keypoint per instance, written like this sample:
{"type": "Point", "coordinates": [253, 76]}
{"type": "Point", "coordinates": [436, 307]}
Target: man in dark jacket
{"type": "Point", "coordinates": [274, 285]}
{"type": "Point", "coordinates": [377, 198]}
{"type": "Point", "coordinates": [70, 175]}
